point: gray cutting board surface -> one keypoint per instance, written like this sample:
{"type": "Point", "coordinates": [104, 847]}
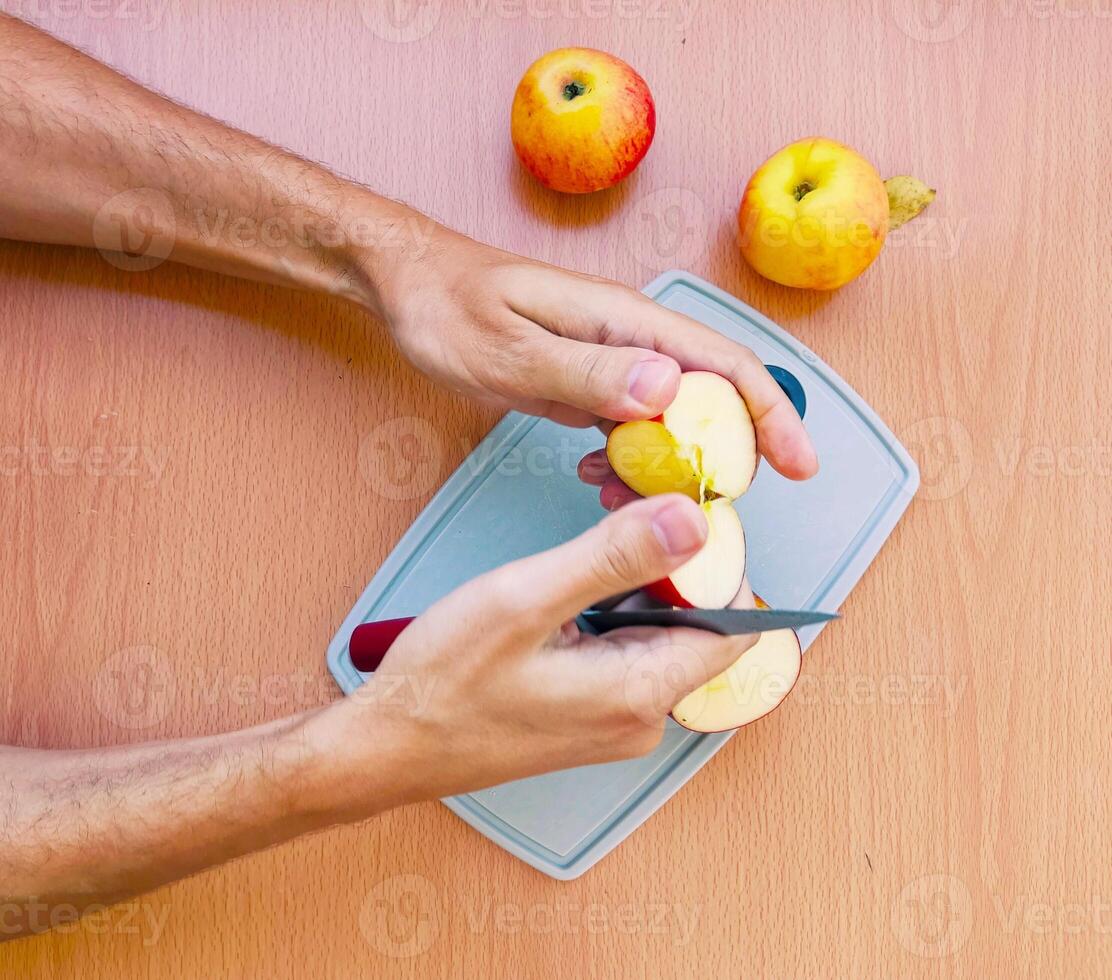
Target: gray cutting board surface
{"type": "Point", "coordinates": [807, 545]}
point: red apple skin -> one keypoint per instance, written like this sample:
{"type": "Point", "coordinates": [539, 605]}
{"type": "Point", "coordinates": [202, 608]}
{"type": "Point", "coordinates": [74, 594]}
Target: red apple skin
{"type": "Point", "coordinates": [592, 140]}
{"type": "Point", "coordinates": [664, 591]}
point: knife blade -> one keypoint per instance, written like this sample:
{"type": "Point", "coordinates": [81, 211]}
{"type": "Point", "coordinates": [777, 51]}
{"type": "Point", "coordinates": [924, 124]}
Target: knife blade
{"type": "Point", "coordinates": [728, 622]}
{"type": "Point", "coordinates": [370, 641]}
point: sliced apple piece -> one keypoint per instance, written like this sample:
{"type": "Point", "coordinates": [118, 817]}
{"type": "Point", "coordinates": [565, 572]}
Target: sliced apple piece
{"type": "Point", "coordinates": [703, 445]}
{"type": "Point", "coordinates": [757, 683]}
{"type": "Point", "coordinates": [712, 577]}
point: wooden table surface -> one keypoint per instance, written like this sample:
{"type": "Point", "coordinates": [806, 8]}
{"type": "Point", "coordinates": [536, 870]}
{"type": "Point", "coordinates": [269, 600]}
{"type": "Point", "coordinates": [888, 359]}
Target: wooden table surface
{"type": "Point", "coordinates": [186, 469]}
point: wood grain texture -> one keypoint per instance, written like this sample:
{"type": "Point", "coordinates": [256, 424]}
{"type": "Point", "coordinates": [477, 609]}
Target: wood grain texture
{"type": "Point", "coordinates": [935, 799]}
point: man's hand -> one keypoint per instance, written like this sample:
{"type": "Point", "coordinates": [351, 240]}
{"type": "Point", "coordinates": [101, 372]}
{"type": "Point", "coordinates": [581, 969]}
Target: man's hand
{"type": "Point", "coordinates": [510, 689]}
{"type": "Point", "coordinates": [492, 683]}
{"type": "Point", "coordinates": [495, 682]}
{"type": "Point", "coordinates": [574, 348]}
{"type": "Point", "coordinates": [81, 143]}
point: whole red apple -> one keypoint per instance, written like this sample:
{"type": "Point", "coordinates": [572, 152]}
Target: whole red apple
{"type": "Point", "coordinates": [581, 120]}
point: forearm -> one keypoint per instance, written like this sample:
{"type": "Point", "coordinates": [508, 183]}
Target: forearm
{"type": "Point", "coordinates": [90, 158]}
{"type": "Point", "coordinates": [88, 828]}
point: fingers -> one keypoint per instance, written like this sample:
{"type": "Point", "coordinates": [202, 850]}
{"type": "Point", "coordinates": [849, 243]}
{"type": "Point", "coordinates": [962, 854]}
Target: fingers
{"type": "Point", "coordinates": [641, 544]}
{"type": "Point", "coordinates": [610, 313]}
{"type": "Point", "coordinates": [614, 494]}
{"type": "Point", "coordinates": [590, 381]}
{"type": "Point", "coordinates": [664, 665]}
{"type": "Point", "coordinates": [781, 437]}
{"type": "Point", "coordinates": [595, 470]}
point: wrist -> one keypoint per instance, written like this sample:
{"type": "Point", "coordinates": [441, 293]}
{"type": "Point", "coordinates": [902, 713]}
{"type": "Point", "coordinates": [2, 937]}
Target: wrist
{"type": "Point", "coordinates": [354, 759]}
{"type": "Point", "coordinates": [385, 244]}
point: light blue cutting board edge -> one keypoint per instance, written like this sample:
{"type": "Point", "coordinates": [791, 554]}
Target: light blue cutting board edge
{"type": "Point", "coordinates": [867, 481]}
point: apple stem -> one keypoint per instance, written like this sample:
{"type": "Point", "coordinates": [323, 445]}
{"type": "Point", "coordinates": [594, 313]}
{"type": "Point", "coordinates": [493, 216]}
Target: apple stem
{"type": "Point", "coordinates": [803, 189]}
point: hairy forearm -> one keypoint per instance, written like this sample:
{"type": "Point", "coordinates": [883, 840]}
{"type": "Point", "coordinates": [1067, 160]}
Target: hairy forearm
{"type": "Point", "coordinates": [82, 829]}
{"type": "Point", "coordinates": [90, 158]}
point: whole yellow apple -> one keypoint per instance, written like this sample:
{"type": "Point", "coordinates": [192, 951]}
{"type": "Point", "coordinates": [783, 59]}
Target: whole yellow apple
{"type": "Point", "coordinates": [581, 120]}
{"type": "Point", "coordinates": [814, 215]}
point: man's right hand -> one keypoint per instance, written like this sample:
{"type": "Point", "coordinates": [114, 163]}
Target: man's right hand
{"type": "Point", "coordinates": [495, 682]}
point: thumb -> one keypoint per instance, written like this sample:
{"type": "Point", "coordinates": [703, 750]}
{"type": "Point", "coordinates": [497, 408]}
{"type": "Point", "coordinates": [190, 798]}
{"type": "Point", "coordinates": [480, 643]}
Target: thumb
{"type": "Point", "coordinates": [617, 383]}
{"type": "Point", "coordinates": [639, 544]}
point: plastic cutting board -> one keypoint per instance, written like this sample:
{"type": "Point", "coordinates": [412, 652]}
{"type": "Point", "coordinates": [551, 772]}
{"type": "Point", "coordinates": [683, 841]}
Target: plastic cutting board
{"type": "Point", "coordinates": [807, 545]}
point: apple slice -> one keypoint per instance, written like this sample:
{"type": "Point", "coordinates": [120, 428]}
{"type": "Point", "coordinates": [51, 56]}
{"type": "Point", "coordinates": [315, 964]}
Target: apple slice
{"type": "Point", "coordinates": [703, 445]}
{"type": "Point", "coordinates": [712, 577]}
{"type": "Point", "coordinates": [757, 683]}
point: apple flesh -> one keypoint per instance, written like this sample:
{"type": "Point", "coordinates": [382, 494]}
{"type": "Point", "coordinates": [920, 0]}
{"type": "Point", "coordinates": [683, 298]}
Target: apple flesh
{"type": "Point", "coordinates": [703, 445]}
{"type": "Point", "coordinates": [712, 577]}
{"type": "Point", "coordinates": [581, 120]}
{"type": "Point", "coordinates": [755, 684]}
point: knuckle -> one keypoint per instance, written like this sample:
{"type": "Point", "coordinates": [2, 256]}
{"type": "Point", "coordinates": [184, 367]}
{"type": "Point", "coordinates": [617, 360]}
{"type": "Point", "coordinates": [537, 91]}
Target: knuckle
{"type": "Point", "coordinates": [641, 739]}
{"type": "Point", "coordinates": [588, 373]}
{"type": "Point", "coordinates": [503, 595]}
{"type": "Point", "coordinates": [620, 561]}
{"type": "Point", "coordinates": [743, 363]}
{"type": "Point", "coordinates": [645, 700]}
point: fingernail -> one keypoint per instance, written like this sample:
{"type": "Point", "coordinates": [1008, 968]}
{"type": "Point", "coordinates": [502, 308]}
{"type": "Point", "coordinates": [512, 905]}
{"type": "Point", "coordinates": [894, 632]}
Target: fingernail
{"type": "Point", "coordinates": [651, 380]}
{"type": "Point", "coordinates": [680, 527]}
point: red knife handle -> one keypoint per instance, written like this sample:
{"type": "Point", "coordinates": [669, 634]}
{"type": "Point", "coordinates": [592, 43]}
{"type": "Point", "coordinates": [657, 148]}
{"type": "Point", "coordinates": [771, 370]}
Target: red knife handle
{"type": "Point", "coordinates": [370, 641]}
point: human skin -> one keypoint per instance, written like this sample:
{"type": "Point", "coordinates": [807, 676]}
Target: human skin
{"type": "Point", "coordinates": [80, 828]}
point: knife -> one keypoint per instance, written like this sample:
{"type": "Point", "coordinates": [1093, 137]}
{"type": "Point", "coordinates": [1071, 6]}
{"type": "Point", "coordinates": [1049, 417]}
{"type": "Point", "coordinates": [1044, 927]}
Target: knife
{"type": "Point", "coordinates": [370, 641]}
{"type": "Point", "coordinates": [728, 622]}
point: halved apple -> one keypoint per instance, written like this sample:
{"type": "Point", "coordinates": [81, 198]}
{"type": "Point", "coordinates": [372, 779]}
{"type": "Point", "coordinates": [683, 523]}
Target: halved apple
{"type": "Point", "coordinates": [757, 683]}
{"type": "Point", "coordinates": [703, 445]}
{"type": "Point", "coordinates": [712, 577]}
